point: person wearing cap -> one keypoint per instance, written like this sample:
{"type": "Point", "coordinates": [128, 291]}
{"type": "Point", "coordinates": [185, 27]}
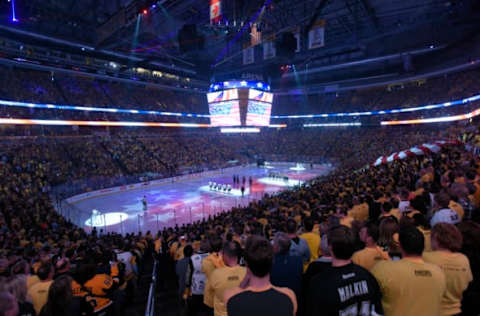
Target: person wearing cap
{"type": "Point", "coordinates": [444, 214]}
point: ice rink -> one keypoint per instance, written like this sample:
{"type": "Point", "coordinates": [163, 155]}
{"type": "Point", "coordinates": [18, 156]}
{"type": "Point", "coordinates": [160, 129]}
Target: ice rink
{"type": "Point", "coordinates": [187, 200]}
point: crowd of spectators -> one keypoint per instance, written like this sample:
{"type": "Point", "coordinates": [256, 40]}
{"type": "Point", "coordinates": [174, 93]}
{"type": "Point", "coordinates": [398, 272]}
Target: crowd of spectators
{"type": "Point", "coordinates": [31, 230]}
{"type": "Point", "coordinates": [51, 88]}
{"type": "Point", "coordinates": [434, 90]}
{"type": "Point", "coordinates": [395, 240]}
{"type": "Point", "coordinates": [400, 239]}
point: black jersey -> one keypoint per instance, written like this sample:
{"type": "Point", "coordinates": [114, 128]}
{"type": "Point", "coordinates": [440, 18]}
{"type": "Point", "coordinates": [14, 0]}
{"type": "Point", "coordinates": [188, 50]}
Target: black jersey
{"type": "Point", "coordinates": [349, 290]}
{"type": "Point", "coordinates": [271, 301]}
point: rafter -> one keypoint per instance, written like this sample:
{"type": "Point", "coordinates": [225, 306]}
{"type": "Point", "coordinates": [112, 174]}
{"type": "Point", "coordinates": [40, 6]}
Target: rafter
{"type": "Point", "coordinates": [371, 13]}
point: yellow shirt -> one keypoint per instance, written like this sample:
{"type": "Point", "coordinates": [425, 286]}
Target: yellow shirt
{"type": "Point", "coordinates": [369, 257]}
{"type": "Point", "coordinates": [313, 241]}
{"type": "Point", "coordinates": [158, 245]}
{"type": "Point", "coordinates": [458, 275]}
{"type": "Point", "coordinates": [410, 287]}
{"type": "Point", "coordinates": [212, 262]}
{"type": "Point", "coordinates": [219, 281]}
{"type": "Point", "coordinates": [427, 236]}
{"type": "Point", "coordinates": [359, 212]}
{"type": "Point", "coordinates": [97, 287]}
{"type": "Point", "coordinates": [39, 294]}
{"type": "Point", "coordinates": [457, 208]}
{"type": "Point", "coordinates": [31, 280]}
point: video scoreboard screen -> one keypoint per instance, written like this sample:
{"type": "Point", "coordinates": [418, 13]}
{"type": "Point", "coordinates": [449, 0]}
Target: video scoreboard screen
{"type": "Point", "coordinates": [260, 96]}
{"type": "Point", "coordinates": [258, 113]}
{"type": "Point", "coordinates": [244, 107]}
{"type": "Point", "coordinates": [220, 96]}
{"type": "Point", "coordinates": [259, 108]}
{"type": "Point", "coordinates": [224, 108]}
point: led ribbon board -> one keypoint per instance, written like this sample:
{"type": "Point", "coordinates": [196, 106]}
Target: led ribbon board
{"type": "Point", "coordinates": [382, 112]}
{"type": "Point", "coordinates": [332, 124]}
{"type": "Point", "coordinates": [435, 119]}
{"type": "Point", "coordinates": [96, 109]}
{"type": "Point", "coordinates": [195, 115]}
{"type": "Point", "coordinates": [10, 121]}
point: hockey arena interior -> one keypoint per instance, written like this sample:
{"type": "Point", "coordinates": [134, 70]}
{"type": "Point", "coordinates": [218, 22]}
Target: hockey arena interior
{"type": "Point", "coordinates": [240, 158]}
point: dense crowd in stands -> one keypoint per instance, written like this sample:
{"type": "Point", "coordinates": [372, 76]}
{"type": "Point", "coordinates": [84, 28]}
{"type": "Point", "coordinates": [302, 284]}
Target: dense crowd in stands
{"type": "Point", "coordinates": [45, 87]}
{"type": "Point", "coordinates": [399, 239]}
{"type": "Point", "coordinates": [435, 90]}
{"type": "Point", "coordinates": [31, 230]}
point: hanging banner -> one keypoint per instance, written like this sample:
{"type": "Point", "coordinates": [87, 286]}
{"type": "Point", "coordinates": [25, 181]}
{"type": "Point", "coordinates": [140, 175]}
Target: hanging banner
{"type": "Point", "coordinates": [215, 11]}
{"type": "Point", "coordinates": [316, 36]}
{"type": "Point", "coordinates": [269, 50]}
{"type": "Point", "coordinates": [255, 35]}
{"type": "Point", "coordinates": [248, 55]}
{"type": "Point", "coordinates": [297, 37]}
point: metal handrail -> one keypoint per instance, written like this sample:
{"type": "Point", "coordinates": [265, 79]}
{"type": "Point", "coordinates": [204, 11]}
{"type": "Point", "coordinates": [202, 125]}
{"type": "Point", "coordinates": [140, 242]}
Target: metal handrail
{"type": "Point", "coordinates": [150, 310]}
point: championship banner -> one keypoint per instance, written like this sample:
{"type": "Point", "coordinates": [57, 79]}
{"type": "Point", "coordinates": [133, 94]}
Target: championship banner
{"type": "Point", "coordinates": [316, 36]}
{"type": "Point", "coordinates": [215, 11]}
{"type": "Point", "coordinates": [269, 50]}
{"type": "Point", "coordinates": [248, 55]}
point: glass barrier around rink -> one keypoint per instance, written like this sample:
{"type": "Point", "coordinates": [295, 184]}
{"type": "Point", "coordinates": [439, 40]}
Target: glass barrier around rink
{"type": "Point", "coordinates": [134, 223]}
{"type": "Point", "coordinates": [75, 187]}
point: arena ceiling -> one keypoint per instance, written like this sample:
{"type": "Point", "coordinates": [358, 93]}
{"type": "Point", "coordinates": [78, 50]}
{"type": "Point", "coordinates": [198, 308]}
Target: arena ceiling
{"type": "Point", "coordinates": [355, 29]}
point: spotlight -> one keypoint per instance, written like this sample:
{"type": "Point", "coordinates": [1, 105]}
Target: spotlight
{"type": "Point", "coordinates": [145, 11]}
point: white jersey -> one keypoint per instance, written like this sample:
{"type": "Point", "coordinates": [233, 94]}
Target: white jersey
{"type": "Point", "coordinates": [198, 277]}
{"type": "Point", "coordinates": [126, 257]}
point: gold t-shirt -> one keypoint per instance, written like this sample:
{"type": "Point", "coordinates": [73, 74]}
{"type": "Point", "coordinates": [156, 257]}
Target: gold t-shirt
{"type": "Point", "coordinates": [220, 280]}
{"type": "Point", "coordinates": [458, 275]}
{"type": "Point", "coordinates": [359, 212]}
{"type": "Point", "coordinates": [410, 287]}
{"type": "Point", "coordinates": [369, 257]}
{"type": "Point", "coordinates": [38, 293]}
{"type": "Point", "coordinates": [313, 241]}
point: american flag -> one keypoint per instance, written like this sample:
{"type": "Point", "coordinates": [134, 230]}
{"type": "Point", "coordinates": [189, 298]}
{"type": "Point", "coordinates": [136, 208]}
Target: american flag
{"type": "Point", "coordinates": [258, 113]}
{"type": "Point", "coordinates": [260, 96]}
{"type": "Point", "coordinates": [225, 114]}
{"type": "Point", "coordinates": [215, 11]}
{"type": "Point", "coordinates": [221, 96]}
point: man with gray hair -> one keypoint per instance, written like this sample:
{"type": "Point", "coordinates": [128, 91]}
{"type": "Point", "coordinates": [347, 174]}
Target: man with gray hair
{"type": "Point", "coordinates": [287, 269]}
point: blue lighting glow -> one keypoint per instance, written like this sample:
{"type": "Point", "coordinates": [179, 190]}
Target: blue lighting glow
{"type": "Point", "coordinates": [259, 85]}
{"type": "Point", "coordinates": [14, 17]}
{"type": "Point", "coordinates": [194, 115]}
{"type": "Point", "coordinates": [95, 109]}
{"type": "Point", "coordinates": [381, 112]}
